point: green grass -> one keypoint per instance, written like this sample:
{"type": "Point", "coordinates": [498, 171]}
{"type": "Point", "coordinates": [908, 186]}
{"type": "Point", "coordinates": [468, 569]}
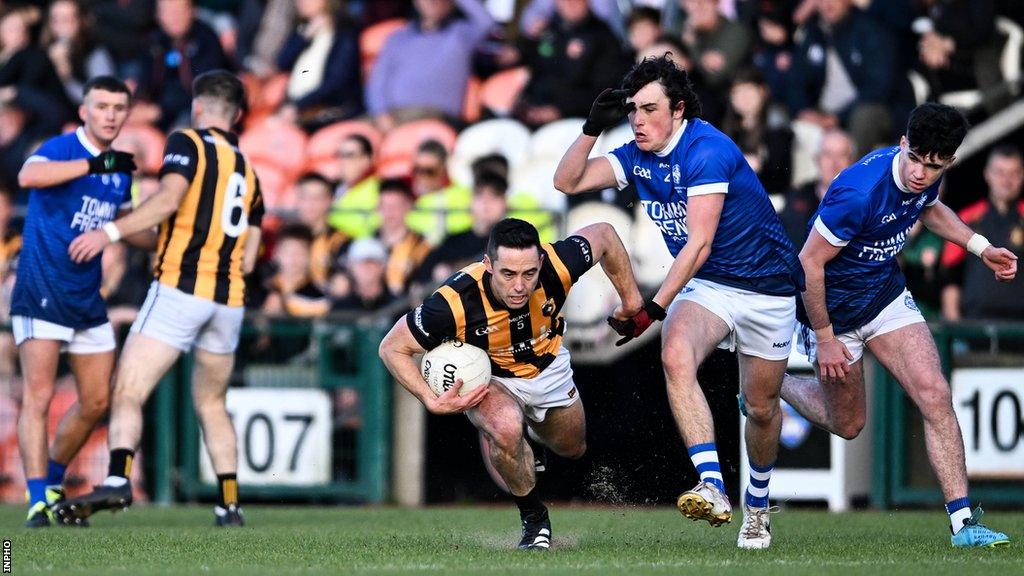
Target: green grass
{"type": "Point", "coordinates": [465, 540]}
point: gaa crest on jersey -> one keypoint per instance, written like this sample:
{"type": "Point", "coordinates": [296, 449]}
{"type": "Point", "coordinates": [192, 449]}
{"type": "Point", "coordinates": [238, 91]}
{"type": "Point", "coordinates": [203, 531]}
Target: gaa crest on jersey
{"type": "Point", "coordinates": [548, 308]}
{"type": "Point", "coordinates": [676, 174]}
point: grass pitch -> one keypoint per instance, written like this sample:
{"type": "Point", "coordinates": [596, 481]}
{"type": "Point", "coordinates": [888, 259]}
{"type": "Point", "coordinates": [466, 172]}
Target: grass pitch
{"type": "Point", "coordinates": [474, 540]}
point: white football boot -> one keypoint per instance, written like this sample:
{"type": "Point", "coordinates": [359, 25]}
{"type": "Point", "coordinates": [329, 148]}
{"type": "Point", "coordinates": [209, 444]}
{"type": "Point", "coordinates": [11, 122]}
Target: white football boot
{"type": "Point", "coordinates": [705, 502]}
{"type": "Point", "coordinates": [756, 531]}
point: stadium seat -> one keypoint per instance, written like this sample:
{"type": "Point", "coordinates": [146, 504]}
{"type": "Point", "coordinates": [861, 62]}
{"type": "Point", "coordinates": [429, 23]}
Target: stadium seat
{"type": "Point", "coordinates": [500, 92]}
{"type": "Point", "coordinates": [593, 296]}
{"type": "Point", "coordinates": [806, 140]}
{"type": "Point", "coordinates": [651, 259]}
{"type": "Point", "coordinates": [322, 147]}
{"type": "Point", "coordinates": [143, 140]}
{"type": "Point", "coordinates": [536, 178]}
{"type": "Point", "coordinates": [550, 141]}
{"type": "Point", "coordinates": [276, 186]}
{"type": "Point", "coordinates": [471, 107]}
{"type": "Point", "coordinates": [613, 138]}
{"type": "Point", "coordinates": [372, 40]}
{"type": "Point", "coordinates": [400, 143]}
{"type": "Point", "coordinates": [1009, 65]}
{"type": "Point", "coordinates": [265, 97]}
{"type": "Point", "coordinates": [502, 136]}
{"type": "Point", "coordinates": [277, 143]}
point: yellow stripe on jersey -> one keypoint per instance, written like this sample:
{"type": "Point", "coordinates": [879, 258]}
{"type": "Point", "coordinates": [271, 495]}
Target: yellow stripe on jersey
{"type": "Point", "coordinates": [177, 238]}
{"type": "Point", "coordinates": [458, 311]}
{"type": "Point", "coordinates": [563, 272]}
{"type": "Point", "coordinates": [209, 255]}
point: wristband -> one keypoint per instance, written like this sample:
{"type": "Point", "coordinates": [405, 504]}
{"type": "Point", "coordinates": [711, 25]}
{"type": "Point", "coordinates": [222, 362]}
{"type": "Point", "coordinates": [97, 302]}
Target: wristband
{"type": "Point", "coordinates": [824, 334]}
{"type": "Point", "coordinates": [977, 244]}
{"type": "Point", "coordinates": [112, 232]}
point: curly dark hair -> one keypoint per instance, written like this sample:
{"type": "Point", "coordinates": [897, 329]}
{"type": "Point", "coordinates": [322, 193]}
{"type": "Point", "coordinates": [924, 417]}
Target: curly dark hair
{"type": "Point", "coordinates": [674, 80]}
{"type": "Point", "coordinates": [936, 129]}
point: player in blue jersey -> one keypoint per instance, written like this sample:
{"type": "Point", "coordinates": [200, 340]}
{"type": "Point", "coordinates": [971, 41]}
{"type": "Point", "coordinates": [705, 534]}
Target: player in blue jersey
{"type": "Point", "coordinates": [77, 184]}
{"type": "Point", "coordinates": [733, 283]}
{"type": "Point", "coordinates": [856, 296]}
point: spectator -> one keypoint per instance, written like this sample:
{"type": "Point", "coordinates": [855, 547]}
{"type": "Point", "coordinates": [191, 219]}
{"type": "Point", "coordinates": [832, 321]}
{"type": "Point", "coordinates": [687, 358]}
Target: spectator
{"type": "Point", "coordinates": [322, 56]}
{"type": "Point", "coordinates": [522, 205]}
{"type": "Point", "coordinates": [24, 123]}
{"type": "Point", "coordinates": [69, 41]}
{"type": "Point", "coordinates": [773, 44]}
{"type": "Point", "coordinates": [971, 292]}
{"type": "Point", "coordinates": [356, 196]}
{"type": "Point", "coordinates": [834, 154]}
{"type": "Point", "coordinates": [571, 60]}
{"type": "Point", "coordinates": [406, 249]}
{"type": "Point", "coordinates": [757, 126]}
{"type": "Point", "coordinates": [720, 46]}
{"type": "Point", "coordinates": [424, 68]}
{"type": "Point", "coordinates": [459, 250]}
{"type": "Point", "coordinates": [959, 47]}
{"type": "Point", "coordinates": [845, 72]}
{"type": "Point", "coordinates": [313, 204]}
{"type": "Point", "coordinates": [25, 67]}
{"type": "Point", "coordinates": [122, 27]}
{"type": "Point", "coordinates": [181, 48]}
{"type": "Point", "coordinates": [10, 238]}
{"type": "Point", "coordinates": [643, 28]}
{"type": "Point", "coordinates": [366, 260]}
{"type": "Point", "coordinates": [539, 12]}
{"type": "Point", "coordinates": [291, 291]}
{"type": "Point", "coordinates": [442, 206]}
{"type": "Point", "coordinates": [258, 50]}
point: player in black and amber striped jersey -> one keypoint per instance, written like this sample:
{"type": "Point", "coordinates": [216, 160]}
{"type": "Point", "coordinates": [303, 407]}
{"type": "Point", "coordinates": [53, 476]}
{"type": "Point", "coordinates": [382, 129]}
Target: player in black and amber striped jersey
{"type": "Point", "coordinates": [209, 210]}
{"type": "Point", "coordinates": [406, 249]}
{"type": "Point", "coordinates": [509, 305]}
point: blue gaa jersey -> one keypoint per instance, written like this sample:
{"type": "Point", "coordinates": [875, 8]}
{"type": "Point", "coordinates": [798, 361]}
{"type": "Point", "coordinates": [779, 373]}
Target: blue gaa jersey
{"type": "Point", "coordinates": [868, 212]}
{"type": "Point", "coordinates": [750, 250]}
{"type": "Point", "coordinates": [49, 285]}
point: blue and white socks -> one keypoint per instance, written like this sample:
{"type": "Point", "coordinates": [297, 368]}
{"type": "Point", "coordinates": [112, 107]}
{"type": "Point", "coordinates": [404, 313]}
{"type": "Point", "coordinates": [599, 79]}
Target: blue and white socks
{"type": "Point", "coordinates": [959, 511]}
{"type": "Point", "coordinates": [705, 460]}
{"type": "Point", "coordinates": [757, 488]}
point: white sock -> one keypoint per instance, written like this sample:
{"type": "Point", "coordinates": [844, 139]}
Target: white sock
{"type": "Point", "coordinates": [115, 481]}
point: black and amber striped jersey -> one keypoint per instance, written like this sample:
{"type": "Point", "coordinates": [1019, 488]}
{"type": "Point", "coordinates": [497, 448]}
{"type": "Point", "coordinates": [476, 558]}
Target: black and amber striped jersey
{"type": "Point", "coordinates": [324, 252]}
{"type": "Point", "coordinates": [199, 250]}
{"type": "Point", "coordinates": [521, 343]}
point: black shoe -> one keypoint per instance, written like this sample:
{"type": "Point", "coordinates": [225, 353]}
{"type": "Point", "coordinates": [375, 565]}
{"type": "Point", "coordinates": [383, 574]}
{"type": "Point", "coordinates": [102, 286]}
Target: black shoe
{"type": "Point", "coordinates": [536, 533]}
{"type": "Point", "coordinates": [540, 453]}
{"type": "Point", "coordinates": [38, 516]}
{"type": "Point", "coordinates": [230, 516]}
{"type": "Point", "coordinates": [76, 510]}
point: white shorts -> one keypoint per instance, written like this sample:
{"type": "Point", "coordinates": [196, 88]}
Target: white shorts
{"type": "Point", "coordinates": [899, 313]}
{"type": "Point", "coordinates": [759, 325]}
{"type": "Point", "coordinates": [183, 320]}
{"type": "Point", "coordinates": [88, 341]}
{"type": "Point", "coordinates": [552, 388]}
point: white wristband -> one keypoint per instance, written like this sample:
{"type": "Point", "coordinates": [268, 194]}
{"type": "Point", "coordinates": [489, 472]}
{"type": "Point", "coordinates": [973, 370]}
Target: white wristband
{"type": "Point", "coordinates": [977, 244]}
{"type": "Point", "coordinates": [112, 232]}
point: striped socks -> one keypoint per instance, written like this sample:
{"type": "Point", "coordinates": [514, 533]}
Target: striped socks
{"type": "Point", "coordinates": [705, 460]}
{"type": "Point", "coordinates": [959, 511]}
{"type": "Point", "coordinates": [757, 488]}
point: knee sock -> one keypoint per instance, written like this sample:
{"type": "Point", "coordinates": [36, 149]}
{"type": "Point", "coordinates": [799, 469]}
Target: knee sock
{"type": "Point", "coordinates": [757, 489]}
{"type": "Point", "coordinates": [705, 460]}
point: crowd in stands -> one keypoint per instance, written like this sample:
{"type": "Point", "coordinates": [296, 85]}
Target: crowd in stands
{"type": "Point", "coordinates": [390, 135]}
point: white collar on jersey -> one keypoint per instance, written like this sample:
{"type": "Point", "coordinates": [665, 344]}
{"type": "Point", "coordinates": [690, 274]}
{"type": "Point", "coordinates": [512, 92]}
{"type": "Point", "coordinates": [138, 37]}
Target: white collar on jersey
{"type": "Point", "coordinates": [672, 143]}
{"type": "Point", "coordinates": [896, 172]}
{"type": "Point", "coordinates": [86, 143]}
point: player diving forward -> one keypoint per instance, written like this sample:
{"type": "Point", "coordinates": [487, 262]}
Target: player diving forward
{"type": "Point", "coordinates": [509, 305]}
{"type": "Point", "coordinates": [856, 296]}
{"type": "Point", "coordinates": [733, 282]}
{"type": "Point", "coordinates": [77, 184]}
{"type": "Point", "coordinates": [209, 209]}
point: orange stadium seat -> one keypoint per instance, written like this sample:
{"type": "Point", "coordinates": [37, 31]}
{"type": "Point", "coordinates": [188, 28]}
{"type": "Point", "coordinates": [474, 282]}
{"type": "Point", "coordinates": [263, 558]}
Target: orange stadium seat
{"type": "Point", "coordinates": [277, 143]}
{"type": "Point", "coordinates": [146, 142]}
{"type": "Point", "coordinates": [400, 144]}
{"type": "Point", "coordinates": [264, 96]}
{"type": "Point", "coordinates": [275, 185]}
{"type": "Point", "coordinates": [499, 92]}
{"type": "Point", "coordinates": [472, 108]}
{"type": "Point", "coordinates": [322, 147]}
{"type": "Point", "coordinates": [372, 40]}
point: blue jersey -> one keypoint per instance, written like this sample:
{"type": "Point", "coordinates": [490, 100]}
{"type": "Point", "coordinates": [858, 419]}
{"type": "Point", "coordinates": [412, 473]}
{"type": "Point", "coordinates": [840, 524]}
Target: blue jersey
{"type": "Point", "coordinates": [49, 285]}
{"type": "Point", "coordinates": [750, 250]}
{"type": "Point", "coordinates": [868, 212]}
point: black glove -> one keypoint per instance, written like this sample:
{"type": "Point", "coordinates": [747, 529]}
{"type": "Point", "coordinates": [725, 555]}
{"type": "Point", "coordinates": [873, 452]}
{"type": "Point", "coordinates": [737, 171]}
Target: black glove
{"type": "Point", "coordinates": [639, 323]}
{"type": "Point", "coordinates": [608, 109]}
{"type": "Point", "coordinates": [112, 161]}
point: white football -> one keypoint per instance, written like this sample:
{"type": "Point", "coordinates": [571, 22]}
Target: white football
{"type": "Point", "coordinates": [443, 365]}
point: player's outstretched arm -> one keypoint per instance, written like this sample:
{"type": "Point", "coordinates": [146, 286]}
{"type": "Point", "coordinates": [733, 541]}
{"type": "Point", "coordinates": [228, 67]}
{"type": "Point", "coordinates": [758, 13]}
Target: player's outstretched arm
{"type": "Point", "coordinates": [41, 173]}
{"type": "Point", "coordinates": [832, 354]}
{"type": "Point", "coordinates": [151, 212]}
{"type": "Point", "coordinates": [397, 351]}
{"type": "Point", "coordinates": [941, 219]}
{"type": "Point", "coordinates": [576, 171]}
{"type": "Point", "coordinates": [607, 248]}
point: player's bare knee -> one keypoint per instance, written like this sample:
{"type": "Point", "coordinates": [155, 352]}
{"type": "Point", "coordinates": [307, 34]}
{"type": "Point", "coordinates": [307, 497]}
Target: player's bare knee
{"type": "Point", "coordinates": [506, 438]}
{"type": "Point", "coordinates": [762, 411]}
{"type": "Point", "coordinates": [575, 451]}
{"type": "Point", "coordinates": [679, 362]}
{"type": "Point", "coordinates": [935, 399]}
{"type": "Point", "coordinates": [95, 407]}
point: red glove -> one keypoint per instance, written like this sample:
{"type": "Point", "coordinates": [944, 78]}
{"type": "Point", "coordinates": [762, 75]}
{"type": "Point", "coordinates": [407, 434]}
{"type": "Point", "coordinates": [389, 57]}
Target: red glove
{"type": "Point", "coordinates": [638, 324]}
